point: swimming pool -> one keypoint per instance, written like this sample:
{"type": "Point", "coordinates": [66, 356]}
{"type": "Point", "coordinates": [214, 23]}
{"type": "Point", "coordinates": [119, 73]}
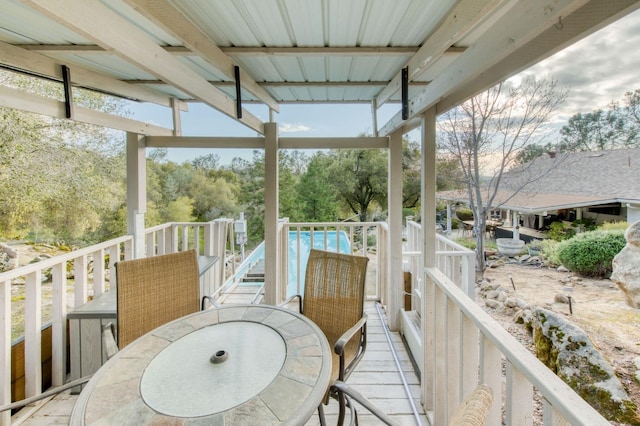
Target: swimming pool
{"type": "Point", "coordinates": [322, 240]}
{"type": "Point", "coordinates": [299, 241]}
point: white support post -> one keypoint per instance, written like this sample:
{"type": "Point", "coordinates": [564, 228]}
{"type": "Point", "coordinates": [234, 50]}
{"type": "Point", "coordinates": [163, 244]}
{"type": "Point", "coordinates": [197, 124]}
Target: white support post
{"type": "Point", "coordinates": [428, 213]}
{"type": "Point", "coordinates": [395, 282]}
{"type": "Point", "coordinates": [136, 192]}
{"type": "Point", "coordinates": [449, 228]}
{"type": "Point", "coordinates": [175, 113]}
{"type": "Point", "coordinates": [272, 292]}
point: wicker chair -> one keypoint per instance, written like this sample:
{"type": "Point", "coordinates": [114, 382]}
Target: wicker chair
{"type": "Point", "coordinates": [155, 290]}
{"type": "Point", "coordinates": [334, 291]}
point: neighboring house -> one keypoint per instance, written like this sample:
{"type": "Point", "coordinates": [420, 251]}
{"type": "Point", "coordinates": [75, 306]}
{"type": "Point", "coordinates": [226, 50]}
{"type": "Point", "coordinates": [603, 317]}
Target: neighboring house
{"type": "Point", "coordinates": [599, 185]}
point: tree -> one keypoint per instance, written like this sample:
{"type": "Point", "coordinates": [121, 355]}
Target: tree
{"type": "Point", "coordinates": [592, 131]}
{"type": "Point", "coordinates": [616, 127]}
{"type": "Point", "coordinates": [316, 195]}
{"type": "Point", "coordinates": [58, 179]}
{"type": "Point", "coordinates": [486, 133]}
{"type": "Point", "coordinates": [360, 178]}
{"type": "Point", "coordinates": [411, 174]}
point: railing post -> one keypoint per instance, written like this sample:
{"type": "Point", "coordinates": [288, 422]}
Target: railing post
{"type": "Point", "coordinates": [80, 281]}
{"type": "Point", "coordinates": [59, 326]}
{"type": "Point", "coordinates": [32, 334]}
{"type": "Point", "coordinates": [98, 273]}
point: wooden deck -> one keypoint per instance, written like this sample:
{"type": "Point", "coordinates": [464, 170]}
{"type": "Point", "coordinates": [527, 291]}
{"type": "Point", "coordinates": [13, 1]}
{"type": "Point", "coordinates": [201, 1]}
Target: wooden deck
{"type": "Point", "coordinates": [377, 377]}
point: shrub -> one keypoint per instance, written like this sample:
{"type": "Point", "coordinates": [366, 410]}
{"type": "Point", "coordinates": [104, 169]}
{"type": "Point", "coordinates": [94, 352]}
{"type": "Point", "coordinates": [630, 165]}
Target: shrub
{"type": "Point", "coordinates": [614, 226]}
{"type": "Point", "coordinates": [591, 253]}
{"type": "Point", "coordinates": [559, 232]}
{"type": "Point", "coordinates": [464, 214]}
{"type": "Point", "coordinates": [550, 252]}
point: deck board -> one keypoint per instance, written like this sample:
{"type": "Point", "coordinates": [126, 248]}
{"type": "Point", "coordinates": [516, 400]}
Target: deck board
{"type": "Point", "coordinates": [376, 377]}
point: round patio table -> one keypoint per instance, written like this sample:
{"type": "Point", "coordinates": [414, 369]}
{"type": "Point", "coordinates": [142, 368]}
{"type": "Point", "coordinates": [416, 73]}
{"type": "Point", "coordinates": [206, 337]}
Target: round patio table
{"type": "Point", "coordinates": [242, 364]}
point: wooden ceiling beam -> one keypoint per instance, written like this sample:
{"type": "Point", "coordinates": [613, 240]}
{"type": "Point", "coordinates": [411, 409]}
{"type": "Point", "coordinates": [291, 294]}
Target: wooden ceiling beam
{"type": "Point", "coordinates": [458, 23]}
{"type": "Point", "coordinates": [167, 17]}
{"type": "Point", "coordinates": [34, 63]}
{"type": "Point", "coordinates": [509, 36]}
{"type": "Point", "coordinates": [96, 22]}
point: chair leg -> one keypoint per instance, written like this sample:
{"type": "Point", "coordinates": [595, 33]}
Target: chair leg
{"type": "Point", "coordinates": [343, 407]}
{"type": "Point", "coordinates": [323, 422]}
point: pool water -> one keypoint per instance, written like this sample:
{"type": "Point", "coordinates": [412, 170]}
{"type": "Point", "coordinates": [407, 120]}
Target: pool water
{"type": "Point", "coordinates": [334, 239]}
{"type": "Point", "coordinates": [307, 240]}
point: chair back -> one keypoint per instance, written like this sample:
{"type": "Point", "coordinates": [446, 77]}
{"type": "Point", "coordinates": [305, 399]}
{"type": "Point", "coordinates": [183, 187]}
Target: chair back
{"type": "Point", "coordinates": [473, 411]}
{"type": "Point", "coordinates": [334, 291]}
{"type": "Point", "coordinates": [155, 290]}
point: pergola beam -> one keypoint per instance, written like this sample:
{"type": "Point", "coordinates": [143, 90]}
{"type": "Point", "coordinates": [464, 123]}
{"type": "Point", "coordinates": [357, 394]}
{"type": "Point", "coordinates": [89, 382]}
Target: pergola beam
{"type": "Point", "coordinates": [96, 22]}
{"type": "Point", "coordinates": [248, 51]}
{"type": "Point", "coordinates": [167, 17]}
{"type": "Point", "coordinates": [507, 37]}
{"type": "Point", "coordinates": [16, 99]}
{"type": "Point", "coordinates": [458, 23]}
{"type": "Point", "coordinates": [37, 64]}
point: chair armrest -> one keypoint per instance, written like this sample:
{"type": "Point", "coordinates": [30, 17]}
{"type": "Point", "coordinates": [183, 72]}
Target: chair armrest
{"type": "Point", "coordinates": [45, 394]}
{"type": "Point", "coordinates": [347, 335]}
{"type": "Point", "coordinates": [289, 300]}
{"type": "Point", "coordinates": [343, 388]}
{"type": "Point", "coordinates": [211, 300]}
{"type": "Point", "coordinates": [345, 370]}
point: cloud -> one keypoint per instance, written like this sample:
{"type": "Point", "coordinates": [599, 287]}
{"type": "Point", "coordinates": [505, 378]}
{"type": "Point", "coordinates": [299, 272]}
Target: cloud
{"type": "Point", "coordinates": [598, 69]}
{"type": "Point", "coordinates": [293, 128]}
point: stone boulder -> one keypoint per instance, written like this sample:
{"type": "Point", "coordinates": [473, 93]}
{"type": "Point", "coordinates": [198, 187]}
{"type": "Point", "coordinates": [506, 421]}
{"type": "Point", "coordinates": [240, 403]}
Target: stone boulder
{"type": "Point", "coordinates": [626, 267]}
{"type": "Point", "coordinates": [568, 351]}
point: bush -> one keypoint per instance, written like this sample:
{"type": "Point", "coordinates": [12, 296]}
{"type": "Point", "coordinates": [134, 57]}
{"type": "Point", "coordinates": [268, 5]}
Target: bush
{"type": "Point", "coordinates": [591, 253]}
{"type": "Point", "coordinates": [559, 232]}
{"type": "Point", "coordinates": [614, 226]}
{"type": "Point", "coordinates": [464, 214]}
{"type": "Point", "coordinates": [550, 252]}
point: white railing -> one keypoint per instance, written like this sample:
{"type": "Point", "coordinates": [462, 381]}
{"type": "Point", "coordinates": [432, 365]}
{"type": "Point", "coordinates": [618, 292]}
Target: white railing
{"type": "Point", "coordinates": [364, 238]}
{"type": "Point", "coordinates": [92, 268]}
{"type": "Point", "coordinates": [469, 347]}
{"type": "Point", "coordinates": [454, 260]}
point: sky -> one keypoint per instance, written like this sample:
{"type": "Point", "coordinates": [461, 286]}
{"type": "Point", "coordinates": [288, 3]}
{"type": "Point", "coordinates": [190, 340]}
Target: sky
{"type": "Point", "coordinates": [596, 70]}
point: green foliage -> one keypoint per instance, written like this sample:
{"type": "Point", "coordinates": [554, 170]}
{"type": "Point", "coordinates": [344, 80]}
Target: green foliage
{"type": "Point", "coordinates": [58, 179]}
{"type": "Point", "coordinates": [180, 210]}
{"type": "Point", "coordinates": [585, 224]}
{"type": "Point", "coordinates": [469, 243]}
{"type": "Point", "coordinates": [550, 252]}
{"type": "Point", "coordinates": [464, 214]}
{"type": "Point", "coordinates": [359, 178]}
{"type": "Point", "coordinates": [558, 231]}
{"type": "Point", "coordinates": [614, 226]}
{"type": "Point", "coordinates": [317, 200]}
{"type": "Point", "coordinates": [591, 253]}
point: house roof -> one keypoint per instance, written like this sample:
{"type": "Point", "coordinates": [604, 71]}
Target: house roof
{"type": "Point", "coordinates": [568, 181]}
{"type": "Point", "coordinates": [173, 52]}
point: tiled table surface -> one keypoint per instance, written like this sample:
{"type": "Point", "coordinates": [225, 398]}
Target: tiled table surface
{"type": "Point", "coordinates": [290, 395]}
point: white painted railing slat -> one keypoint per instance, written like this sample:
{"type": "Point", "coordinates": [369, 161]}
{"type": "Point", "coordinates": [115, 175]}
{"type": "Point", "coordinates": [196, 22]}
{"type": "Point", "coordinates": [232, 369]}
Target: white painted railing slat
{"type": "Point", "coordinates": [32, 340]}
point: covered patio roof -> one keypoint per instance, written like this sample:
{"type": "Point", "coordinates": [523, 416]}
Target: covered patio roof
{"type": "Point", "coordinates": [229, 52]}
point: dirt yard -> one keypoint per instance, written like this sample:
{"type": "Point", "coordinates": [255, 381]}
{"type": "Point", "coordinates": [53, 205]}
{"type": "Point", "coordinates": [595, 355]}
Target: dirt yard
{"type": "Point", "coordinates": [598, 307]}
